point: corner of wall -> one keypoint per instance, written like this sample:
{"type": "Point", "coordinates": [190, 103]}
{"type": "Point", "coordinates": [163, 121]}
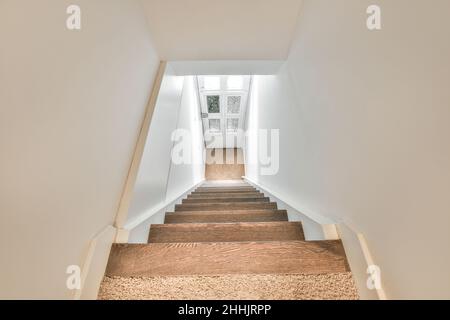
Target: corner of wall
{"type": "Point", "coordinates": [356, 249]}
{"type": "Point", "coordinates": [314, 229]}
{"type": "Point", "coordinates": [95, 263]}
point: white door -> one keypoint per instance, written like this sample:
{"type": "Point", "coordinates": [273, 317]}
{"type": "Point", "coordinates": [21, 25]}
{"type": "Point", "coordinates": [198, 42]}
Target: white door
{"type": "Point", "coordinates": [224, 104]}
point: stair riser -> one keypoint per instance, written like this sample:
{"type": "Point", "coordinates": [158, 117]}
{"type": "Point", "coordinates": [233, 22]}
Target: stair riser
{"type": "Point", "coordinates": [217, 190]}
{"type": "Point", "coordinates": [226, 217]}
{"type": "Point", "coordinates": [226, 232]}
{"type": "Point", "coordinates": [225, 206]}
{"type": "Point", "coordinates": [215, 200]}
{"type": "Point", "coordinates": [225, 195]}
{"type": "Point", "coordinates": [294, 257]}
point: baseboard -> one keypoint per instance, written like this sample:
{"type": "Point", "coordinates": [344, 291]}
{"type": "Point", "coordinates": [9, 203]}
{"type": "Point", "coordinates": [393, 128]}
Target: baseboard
{"type": "Point", "coordinates": [143, 220]}
{"type": "Point", "coordinates": [305, 211]}
{"type": "Point", "coordinates": [316, 227]}
{"type": "Point", "coordinates": [94, 266]}
{"type": "Point", "coordinates": [359, 258]}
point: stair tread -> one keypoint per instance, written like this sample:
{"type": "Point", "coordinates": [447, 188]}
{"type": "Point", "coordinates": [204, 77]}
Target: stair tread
{"type": "Point", "coordinates": [226, 232]}
{"type": "Point", "coordinates": [274, 257]}
{"type": "Point", "coordinates": [225, 206]}
{"type": "Point", "coordinates": [226, 216]}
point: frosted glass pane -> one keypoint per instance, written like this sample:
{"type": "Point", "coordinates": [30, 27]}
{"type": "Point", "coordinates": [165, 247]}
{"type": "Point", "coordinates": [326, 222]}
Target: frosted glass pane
{"type": "Point", "coordinates": [235, 83]}
{"type": "Point", "coordinates": [234, 104]}
{"type": "Point", "coordinates": [211, 83]}
{"type": "Point", "coordinates": [213, 103]}
{"type": "Point", "coordinates": [214, 124]}
{"type": "Point", "coordinates": [232, 124]}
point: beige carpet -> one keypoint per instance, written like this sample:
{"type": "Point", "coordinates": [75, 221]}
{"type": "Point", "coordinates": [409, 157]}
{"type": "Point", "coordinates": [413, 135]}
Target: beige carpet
{"type": "Point", "coordinates": [338, 286]}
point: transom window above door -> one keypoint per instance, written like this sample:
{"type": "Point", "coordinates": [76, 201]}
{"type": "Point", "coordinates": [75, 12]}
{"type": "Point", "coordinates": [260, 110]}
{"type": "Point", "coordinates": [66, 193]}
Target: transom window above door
{"type": "Point", "coordinates": [224, 104]}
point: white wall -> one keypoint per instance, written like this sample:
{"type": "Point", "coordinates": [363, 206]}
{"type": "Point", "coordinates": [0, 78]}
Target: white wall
{"type": "Point", "coordinates": [364, 119]}
{"type": "Point", "coordinates": [151, 183]}
{"type": "Point", "coordinates": [162, 182]}
{"type": "Point", "coordinates": [191, 169]}
{"type": "Point", "coordinates": [71, 107]}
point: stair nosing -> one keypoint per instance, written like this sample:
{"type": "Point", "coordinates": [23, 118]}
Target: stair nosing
{"type": "Point", "coordinates": [221, 212]}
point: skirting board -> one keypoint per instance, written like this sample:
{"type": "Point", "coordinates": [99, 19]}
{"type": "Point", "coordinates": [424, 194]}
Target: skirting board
{"type": "Point", "coordinates": [359, 259]}
{"type": "Point", "coordinates": [142, 223]}
{"type": "Point", "coordinates": [94, 265]}
{"type": "Point", "coordinates": [356, 249]}
{"type": "Point", "coordinates": [314, 229]}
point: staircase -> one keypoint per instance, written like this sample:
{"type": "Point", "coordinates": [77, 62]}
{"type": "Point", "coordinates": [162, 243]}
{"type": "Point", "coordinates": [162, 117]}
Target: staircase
{"type": "Point", "coordinates": [228, 242]}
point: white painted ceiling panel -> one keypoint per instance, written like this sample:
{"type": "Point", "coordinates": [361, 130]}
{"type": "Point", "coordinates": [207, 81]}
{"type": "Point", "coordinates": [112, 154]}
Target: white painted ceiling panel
{"type": "Point", "coordinates": [222, 29]}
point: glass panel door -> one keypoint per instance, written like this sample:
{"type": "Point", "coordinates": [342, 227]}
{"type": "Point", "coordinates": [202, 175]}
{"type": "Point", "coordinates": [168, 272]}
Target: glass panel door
{"type": "Point", "coordinates": [234, 104]}
{"type": "Point", "coordinates": [213, 104]}
{"type": "Point", "coordinates": [223, 105]}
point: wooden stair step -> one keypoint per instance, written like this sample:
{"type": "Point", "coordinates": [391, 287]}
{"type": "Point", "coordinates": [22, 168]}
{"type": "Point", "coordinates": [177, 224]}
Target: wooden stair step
{"type": "Point", "coordinates": [223, 186]}
{"type": "Point", "coordinates": [226, 216]}
{"type": "Point", "coordinates": [225, 195]}
{"type": "Point", "coordinates": [277, 257]}
{"type": "Point", "coordinates": [226, 232]}
{"type": "Point", "coordinates": [221, 200]}
{"type": "Point", "coordinates": [225, 189]}
{"type": "Point", "coordinates": [218, 206]}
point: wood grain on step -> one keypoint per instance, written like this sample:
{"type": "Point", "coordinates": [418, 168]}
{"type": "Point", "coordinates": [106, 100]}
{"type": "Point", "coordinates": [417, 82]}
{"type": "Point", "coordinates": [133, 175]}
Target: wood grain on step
{"type": "Point", "coordinates": [220, 206]}
{"type": "Point", "coordinates": [280, 257]}
{"type": "Point", "coordinates": [226, 216]}
{"type": "Point", "coordinates": [215, 200]}
{"type": "Point", "coordinates": [225, 189]}
{"type": "Point", "coordinates": [226, 232]}
{"type": "Point", "coordinates": [250, 194]}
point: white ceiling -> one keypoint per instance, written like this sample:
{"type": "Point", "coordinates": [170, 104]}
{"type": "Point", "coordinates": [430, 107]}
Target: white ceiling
{"type": "Point", "coordinates": [222, 29]}
{"type": "Point", "coordinates": [229, 67]}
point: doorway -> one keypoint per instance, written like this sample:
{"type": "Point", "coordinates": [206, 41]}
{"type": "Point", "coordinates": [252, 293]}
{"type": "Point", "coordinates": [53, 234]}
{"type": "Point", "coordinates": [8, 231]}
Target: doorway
{"type": "Point", "coordinates": [223, 102]}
